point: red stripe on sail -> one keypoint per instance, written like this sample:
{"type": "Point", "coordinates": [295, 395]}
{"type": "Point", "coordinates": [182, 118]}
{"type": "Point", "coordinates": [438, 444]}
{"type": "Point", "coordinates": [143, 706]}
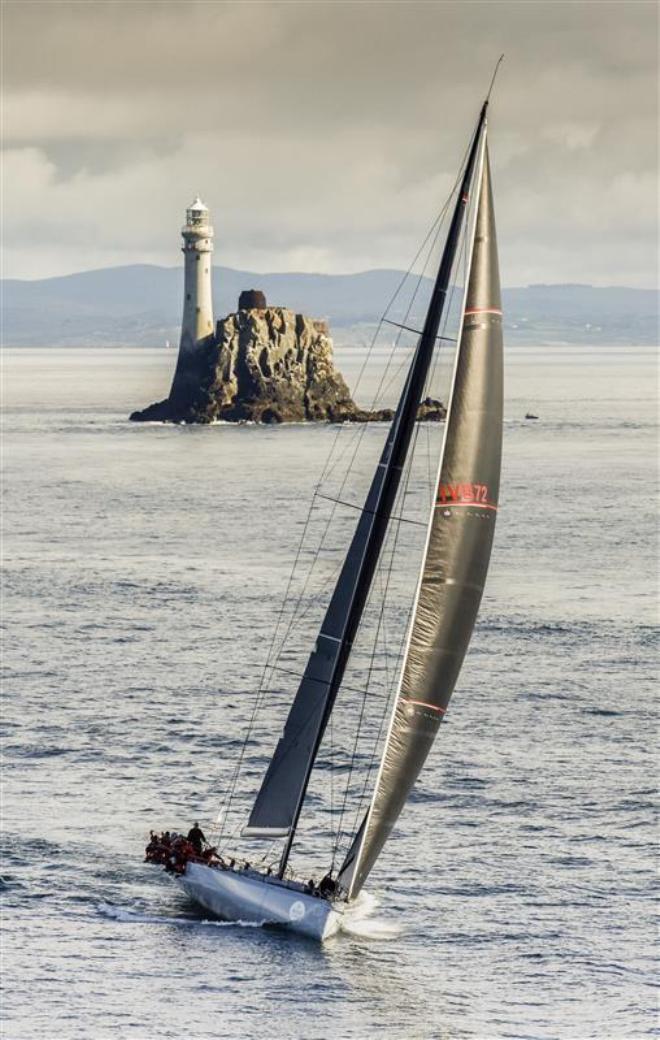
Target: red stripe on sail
{"type": "Point", "coordinates": [423, 704]}
{"type": "Point", "coordinates": [464, 505]}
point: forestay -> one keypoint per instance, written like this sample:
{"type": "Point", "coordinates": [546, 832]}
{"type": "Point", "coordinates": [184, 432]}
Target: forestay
{"type": "Point", "coordinates": [458, 548]}
{"type": "Point", "coordinates": [280, 798]}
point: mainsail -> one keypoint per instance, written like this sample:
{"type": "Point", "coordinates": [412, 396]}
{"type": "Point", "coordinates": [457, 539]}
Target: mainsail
{"type": "Point", "coordinates": [458, 548]}
{"type": "Point", "coordinates": [279, 801]}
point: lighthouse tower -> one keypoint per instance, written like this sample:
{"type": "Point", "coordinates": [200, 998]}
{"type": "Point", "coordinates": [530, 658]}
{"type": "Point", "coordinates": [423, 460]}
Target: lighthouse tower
{"type": "Point", "coordinates": [197, 322]}
{"type": "Point", "coordinates": [197, 234]}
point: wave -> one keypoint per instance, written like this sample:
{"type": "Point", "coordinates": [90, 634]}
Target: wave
{"type": "Point", "coordinates": [358, 920]}
{"type": "Point", "coordinates": [127, 916]}
{"type": "Point", "coordinates": [605, 712]}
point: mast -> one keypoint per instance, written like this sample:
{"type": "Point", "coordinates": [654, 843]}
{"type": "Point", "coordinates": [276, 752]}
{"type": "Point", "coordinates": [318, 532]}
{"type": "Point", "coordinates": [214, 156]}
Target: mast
{"type": "Point", "coordinates": [458, 548]}
{"type": "Point", "coordinates": [279, 802]}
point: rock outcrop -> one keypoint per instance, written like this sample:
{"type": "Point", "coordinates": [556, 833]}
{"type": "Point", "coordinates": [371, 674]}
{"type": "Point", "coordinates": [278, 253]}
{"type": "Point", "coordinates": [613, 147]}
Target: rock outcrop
{"type": "Point", "coordinates": [264, 364]}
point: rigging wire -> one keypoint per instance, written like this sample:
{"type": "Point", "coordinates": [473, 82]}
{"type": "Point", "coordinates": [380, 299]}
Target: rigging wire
{"type": "Point", "coordinates": [377, 396]}
{"type": "Point", "coordinates": [373, 653]}
{"type": "Point", "coordinates": [461, 261]}
{"type": "Point", "coordinates": [432, 236]}
{"type": "Point", "coordinates": [380, 627]}
{"type": "Point", "coordinates": [330, 465]}
{"type": "Point", "coordinates": [388, 569]}
{"type": "Point", "coordinates": [297, 613]}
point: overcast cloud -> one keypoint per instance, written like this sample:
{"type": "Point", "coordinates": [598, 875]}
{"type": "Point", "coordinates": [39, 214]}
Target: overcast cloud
{"type": "Point", "coordinates": [325, 136]}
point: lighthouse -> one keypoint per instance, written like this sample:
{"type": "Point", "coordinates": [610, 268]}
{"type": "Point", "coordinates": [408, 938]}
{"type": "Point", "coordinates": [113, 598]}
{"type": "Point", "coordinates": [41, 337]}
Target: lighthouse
{"type": "Point", "coordinates": [197, 235]}
{"type": "Point", "coordinates": [197, 321]}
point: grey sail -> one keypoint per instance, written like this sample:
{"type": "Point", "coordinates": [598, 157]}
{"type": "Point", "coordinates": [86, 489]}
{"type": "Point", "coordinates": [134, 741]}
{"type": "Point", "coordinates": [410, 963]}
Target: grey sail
{"type": "Point", "coordinates": [457, 553]}
{"type": "Point", "coordinates": [279, 801]}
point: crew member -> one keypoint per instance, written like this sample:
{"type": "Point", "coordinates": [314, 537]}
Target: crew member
{"type": "Point", "coordinates": [328, 886]}
{"type": "Point", "coordinates": [196, 838]}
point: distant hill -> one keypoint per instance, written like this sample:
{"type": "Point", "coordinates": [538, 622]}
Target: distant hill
{"type": "Point", "coordinates": [141, 305]}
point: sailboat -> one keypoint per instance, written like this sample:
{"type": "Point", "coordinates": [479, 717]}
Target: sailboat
{"type": "Point", "coordinates": [455, 560]}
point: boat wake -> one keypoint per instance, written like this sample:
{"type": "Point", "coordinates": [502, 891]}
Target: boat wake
{"type": "Point", "coordinates": [358, 920]}
{"type": "Point", "coordinates": [118, 913]}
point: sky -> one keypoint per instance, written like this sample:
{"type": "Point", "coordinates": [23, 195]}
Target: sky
{"type": "Point", "coordinates": [325, 136]}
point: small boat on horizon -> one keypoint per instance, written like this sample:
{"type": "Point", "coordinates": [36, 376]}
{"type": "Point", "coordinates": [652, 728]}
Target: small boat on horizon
{"type": "Point", "coordinates": [459, 534]}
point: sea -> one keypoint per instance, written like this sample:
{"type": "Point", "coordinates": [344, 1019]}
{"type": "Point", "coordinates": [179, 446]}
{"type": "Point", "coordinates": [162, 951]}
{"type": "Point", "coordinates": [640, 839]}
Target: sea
{"type": "Point", "coordinates": [145, 572]}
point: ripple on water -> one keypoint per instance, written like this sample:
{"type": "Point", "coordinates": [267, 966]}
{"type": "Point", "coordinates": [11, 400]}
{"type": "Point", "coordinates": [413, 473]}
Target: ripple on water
{"type": "Point", "coordinates": [145, 570]}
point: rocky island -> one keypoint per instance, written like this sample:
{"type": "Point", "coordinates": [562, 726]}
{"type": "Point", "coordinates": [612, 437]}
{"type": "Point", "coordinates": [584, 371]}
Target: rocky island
{"type": "Point", "coordinates": [264, 364]}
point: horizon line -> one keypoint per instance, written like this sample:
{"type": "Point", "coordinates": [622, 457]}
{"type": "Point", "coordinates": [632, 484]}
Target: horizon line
{"type": "Point", "coordinates": [319, 274]}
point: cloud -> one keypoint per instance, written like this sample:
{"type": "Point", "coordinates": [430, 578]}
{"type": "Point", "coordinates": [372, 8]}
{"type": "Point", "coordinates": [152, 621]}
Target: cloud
{"type": "Point", "coordinates": [324, 136]}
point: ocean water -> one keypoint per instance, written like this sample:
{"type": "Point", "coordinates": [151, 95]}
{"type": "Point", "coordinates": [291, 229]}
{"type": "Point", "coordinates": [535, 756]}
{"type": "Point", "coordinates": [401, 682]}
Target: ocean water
{"type": "Point", "coordinates": [144, 568]}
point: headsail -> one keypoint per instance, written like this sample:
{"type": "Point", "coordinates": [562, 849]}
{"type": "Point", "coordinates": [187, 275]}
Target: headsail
{"type": "Point", "coordinates": [458, 548]}
{"type": "Point", "coordinates": [279, 801]}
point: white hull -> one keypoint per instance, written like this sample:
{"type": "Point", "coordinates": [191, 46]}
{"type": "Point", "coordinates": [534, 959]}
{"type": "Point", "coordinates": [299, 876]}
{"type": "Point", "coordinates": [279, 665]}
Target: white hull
{"type": "Point", "coordinates": [235, 896]}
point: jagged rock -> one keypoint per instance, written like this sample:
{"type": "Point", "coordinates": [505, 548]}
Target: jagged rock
{"type": "Point", "coordinates": [265, 365]}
